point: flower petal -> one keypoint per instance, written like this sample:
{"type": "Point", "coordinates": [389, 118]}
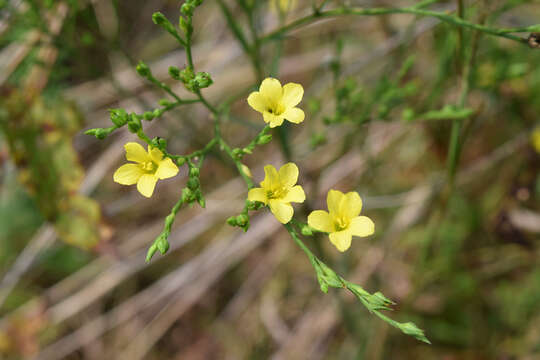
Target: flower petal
{"type": "Point", "coordinates": [296, 194]}
{"type": "Point", "coordinates": [128, 174]}
{"type": "Point", "coordinates": [271, 90]}
{"type": "Point", "coordinates": [166, 169]}
{"type": "Point", "coordinates": [288, 174]}
{"type": "Point", "coordinates": [362, 226]}
{"type": "Point", "coordinates": [292, 95]}
{"type": "Point", "coordinates": [155, 154]}
{"type": "Point", "coordinates": [257, 101]}
{"type": "Point", "coordinates": [333, 200]}
{"type": "Point", "coordinates": [135, 152]}
{"type": "Point", "coordinates": [341, 240]}
{"type": "Point", "coordinates": [257, 194]}
{"type": "Point", "coordinates": [320, 220]}
{"type": "Point", "coordinates": [282, 211]}
{"type": "Point", "coordinates": [294, 115]}
{"type": "Point", "coordinates": [352, 205]}
{"type": "Point", "coordinates": [146, 184]}
{"type": "Point", "coordinates": [271, 178]}
{"type": "Point", "coordinates": [273, 120]}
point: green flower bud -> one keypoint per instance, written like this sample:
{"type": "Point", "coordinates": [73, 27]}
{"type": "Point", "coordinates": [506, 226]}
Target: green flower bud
{"type": "Point", "coordinates": [162, 143]}
{"type": "Point", "coordinates": [194, 172]}
{"type": "Point", "coordinates": [158, 18]}
{"type": "Point", "coordinates": [174, 72]}
{"type": "Point", "coordinates": [265, 139]}
{"type": "Point", "coordinates": [148, 116]}
{"type": "Point", "coordinates": [157, 113]}
{"type": "Point", "coordinates": [186, 75]}
{"type": "Point", "coordinates": [163, 245]}
{"type": "Point", "coordinates": [236, 152]}
{"type": "Point", "coordinates": [187, 9]}
{"type": "Point", "coordinates": [164, 102]}
{"type": "Point", "coordinates": [99, 133]}
{"type": "Point", "coordinates": [203, 80]}
{"type": "Point", "coordinates": [180, 161]}
{"type": "Point", "coordinates": [134, 123]}
{"type": "Point", "coordinates": [118, 117]}
{"type": "Point", "coordinates": [242, 220]}
{"type": "Point", "coordinates": [306, 230]}
{"type": "Point", "coordinates": [232, 221]}
{"type": "Point", "coordinates": [143, 69]}
{"type": "Point", "coordinates": [186, 195]}
{"type": "Point", "coordinates": [193, 183]}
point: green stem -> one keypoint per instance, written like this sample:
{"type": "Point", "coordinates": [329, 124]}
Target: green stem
{"type": "Point", "coordinates": [451, 19]}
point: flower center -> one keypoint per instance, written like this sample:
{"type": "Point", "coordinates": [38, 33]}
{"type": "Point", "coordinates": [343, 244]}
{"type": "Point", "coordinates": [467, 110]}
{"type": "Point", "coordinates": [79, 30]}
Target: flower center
{"type": "Point", "coordinates": [149, 166]}
{"type": "Point", "coordinates": [277, 109]}
{"type": "Point", "coordinates": [341, 223]}
{"type": "Point", "coordinates": [277, 193]}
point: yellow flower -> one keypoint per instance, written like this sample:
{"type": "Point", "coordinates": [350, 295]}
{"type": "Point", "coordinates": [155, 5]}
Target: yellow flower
{"type": "Point", "coordinates": [148, 168]}
{"type": "Point", "coordinates": [278, 190]}
{"type": "Point", "coordinates": [342, 220]}
{"type": "Point", "coordinates": [278, 103]}
{"type": "Point", "coordinates": [535, 139]}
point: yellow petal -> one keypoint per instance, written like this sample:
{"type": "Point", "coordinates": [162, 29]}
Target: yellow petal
{"type": "Point", "coordinates": [362, 226]}
{"type": "Point", "coordinates": [135, 152]}
{"type": "Point", "coordinates": [273, 120]}
{"type": "Point", "coordinates": [333, 200]}
{"type": "Point", "coordinates": [146, 184]}
{"type": "Point", "coordinates": [257, 101]}
{"type": "Point", "coordinates": [294, 115]}
{"type": "Point", "coordinates": [288, 174]}
{"type": "Point", "coordinates": [320, 220]}
{"type": "Point", "coordinates": [292, 95]}
{"type": "Point", "coordinates": [155, 154]}
{"type": "Point", "coordinates": [281, 210]}
{"type": "Point", "coordinates": [271, 90]}
{"type": "Point", "coordinates": [341, 239]}
{"type": "Point", "coordinates": [351, 205]}
{"type": "Point", "coordinates": [295, 194]}
{"type": "Point", "coordinates": [257, 194]}
{"type": "Point", "coordinates": [271, 178]}
{"type": "Point", "coordinates": [128, 174]}
{"type": "Point", "coordinates": [166, 169]}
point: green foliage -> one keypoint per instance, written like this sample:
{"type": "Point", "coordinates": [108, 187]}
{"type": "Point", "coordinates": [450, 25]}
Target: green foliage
{"type": "Point", "coordinates": [39, 138]}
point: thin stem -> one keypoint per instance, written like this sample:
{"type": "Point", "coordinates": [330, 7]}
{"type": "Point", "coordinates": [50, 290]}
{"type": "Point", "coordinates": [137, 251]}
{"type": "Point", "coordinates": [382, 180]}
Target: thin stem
{"type": "Point", "coordinates": [451, 19]}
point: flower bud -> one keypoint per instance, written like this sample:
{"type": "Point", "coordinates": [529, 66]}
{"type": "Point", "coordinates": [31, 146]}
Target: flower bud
{"type": "Point", "coordinates": [232, 221]}
{"type": "Point", "coordinates": [187, 9]}
{"type": "Point", "coordinates": [306, 230]}
{"type": "Point", "coordinates": [134, 124]}
{"type": "Point", "coordinates": [164, 102]}
{"type": "Point", "coordinates": [203, 80]}
{"type": "Point", "coordinates": [180, 161]}
{"type": "Point", "coordinates": [174, 72]}
{"type": "Point", "coordinates": [265, 139]}
{"type": "Point", "coordinates": [143, 69]}
{"type": "Point", "coordinates": [242, 220]}
{"type": "Point", "coordinates": [118, 117]}
{"type": "Point", "coordinates": [158, 18]}
{"type": "Point", "coordinates": [162, 143]}
{"type": "Point", "coordinates": [194, 172]}
{"type": "Point", "coordinates": [193, 183]}
{"type": "Point", "coordinates": [148, 115]}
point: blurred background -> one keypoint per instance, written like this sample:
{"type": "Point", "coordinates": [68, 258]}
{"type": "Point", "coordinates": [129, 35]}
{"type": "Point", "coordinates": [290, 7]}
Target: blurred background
{"type": "Point", "coordinates": [380, 97]}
